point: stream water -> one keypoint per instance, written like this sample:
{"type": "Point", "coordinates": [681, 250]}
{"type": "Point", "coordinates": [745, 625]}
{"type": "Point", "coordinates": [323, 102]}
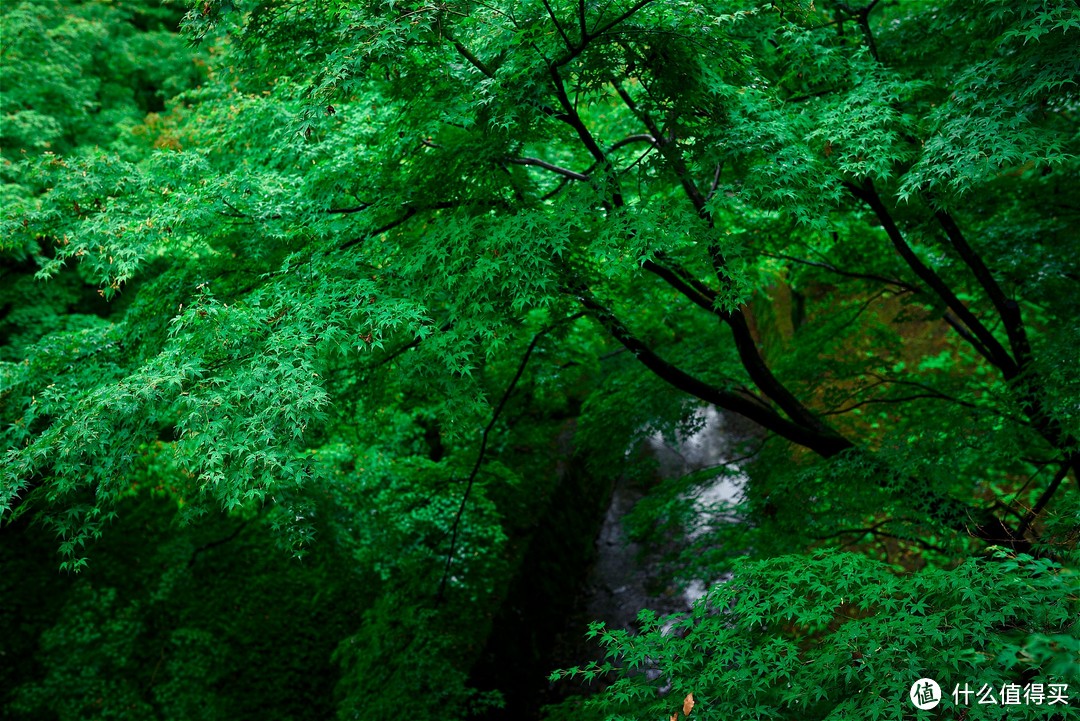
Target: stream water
{"type": "Point", "coordinates": [626, 577]}
{"type": "Point", "coordinates": [581, 566]}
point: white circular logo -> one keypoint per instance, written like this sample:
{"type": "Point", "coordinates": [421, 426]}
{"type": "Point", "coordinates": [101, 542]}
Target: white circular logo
{"type": "Point", "coordinates": [925, 693]}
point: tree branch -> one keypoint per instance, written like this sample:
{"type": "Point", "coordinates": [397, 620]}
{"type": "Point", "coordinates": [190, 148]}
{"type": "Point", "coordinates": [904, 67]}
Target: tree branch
{"type": "Point", "coordinates": [597, 32]}
{"type": "Point", "coordinates": [347, 211]}
{"type": "Point", "coordinates": [466, 53]}
{"type": "Point", "coordinates": [915, 384]}
{"type": "Point", "coordinates": [483, 448]}
{"type": "Point", "coordinates": [1008, 310]}
{"type": "Point", "coordinates": [745, 345]}
{"type": "Point", "coordinates": [572, 118]}
{"type": "Point", "coordinates": [996, 352]}
{"type": "Point", "coordinates": [548, 166]}
{"type": "Point", "coordinates": [939, 507]}
{"type": "Point", "coordinates": [558, 25]}
{"type": "Point", "coordinates": [715, 181]}
{"type": "Point", "coordinates": [668, 149]}
{"type": "Point", "coordinates": [220, 542]}
{"type": "Point", "coordinates": [1044, 499]}
{"type": "Point", "coordinates": [900, 399]}
{"type": "Point", "coordinates": [962, 331]}
{"type": "Point", "coordinates": [392, 355]}
{"type": "Point", "coordinates": [845, 273]}
{"type": "Point", "coordinates": [639, 138]}
{"type": "Point", "coordinates": [873, 531]}
{"type": "Point", "coordinates": [409, 212]}
{"type": "Point", "coordinates": [826, 445]}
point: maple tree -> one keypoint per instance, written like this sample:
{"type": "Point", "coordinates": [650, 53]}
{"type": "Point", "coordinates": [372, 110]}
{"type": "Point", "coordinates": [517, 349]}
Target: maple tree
{"type": "Point", "coordinates": [334, 271]}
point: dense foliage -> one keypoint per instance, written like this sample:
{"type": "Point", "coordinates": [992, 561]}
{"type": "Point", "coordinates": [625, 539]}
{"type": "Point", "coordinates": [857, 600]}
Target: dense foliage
{"type": "Point", "coordinates": [347, 293]}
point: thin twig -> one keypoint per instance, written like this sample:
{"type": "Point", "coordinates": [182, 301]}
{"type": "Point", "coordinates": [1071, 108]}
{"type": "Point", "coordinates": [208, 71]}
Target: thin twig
{"type": "Point", "coordinates": [537, 162]}
{"type": "Point", "coordinates": [220, 542]}
{"type": "Point", "coordinates": [483, 448]}
{"type": "Point", "coordinates": [1045, 497]}
{"type": "Point", "coordinates": [845, 273]}
{"type": "Point", "coordinates": [900, 399]}
{"type": "Point", "coordinates": [408, 346]}
{"type": "Point", "coordinates": [558, 25]}
{"type": "Point", "coordinates": [636, 138]}
{"type": "Point", "coordinates": [347, 211]}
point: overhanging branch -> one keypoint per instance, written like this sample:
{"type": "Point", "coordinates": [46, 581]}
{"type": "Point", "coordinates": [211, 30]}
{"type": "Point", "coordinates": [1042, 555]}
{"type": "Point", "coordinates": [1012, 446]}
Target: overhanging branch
{"type": "Point", "coordinates": [1007, 309]}
{"type": "Point", "coordinates": [996, 353]}
{"type": "Point", "coordinates": [537, 162]}
{"type": "Point", "coordinates": [483, 448]}
{"type": "Point", "coordinates": [824, 444]}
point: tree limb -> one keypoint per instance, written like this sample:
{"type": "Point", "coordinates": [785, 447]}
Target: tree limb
{"type": "Point", "coordinates": [1008, 309]}
{"type": "Point", "coordinates": [466, 53]}
{"type": "Point", "coordinates": [548, 166]}
{"type": "Point", "coordinates": [996, 352]}
{"type": "Point", "coordinates": [745, 345]}
{"type": "Point", "coordinates": [900, 399]}
{"type": "Point", "coordinates": [483, 447]}
{"type": "Point", "coordinates": [845, 273]}
{"type": "Point", "coordinates": [571, 118]}
{"type": "Point", "coordinates": [638, 138]}
{"type": "Point", "coordinates": [826, 445]}
{"type": "Point", "coordinates": [1044, 499]}
{"type": "Point", "coordinates": [558, 25]}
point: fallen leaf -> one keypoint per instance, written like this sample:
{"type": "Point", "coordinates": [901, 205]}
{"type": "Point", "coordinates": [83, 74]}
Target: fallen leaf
{"type": "Point", "coordinates": [688, 704]}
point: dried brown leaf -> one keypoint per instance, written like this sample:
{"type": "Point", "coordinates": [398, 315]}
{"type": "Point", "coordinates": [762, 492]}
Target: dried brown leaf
{"type": "Point", "coordinates": [688, 704]}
